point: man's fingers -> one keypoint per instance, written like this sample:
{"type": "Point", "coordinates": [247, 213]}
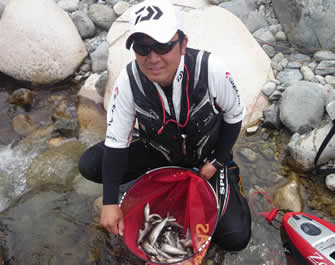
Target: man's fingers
{"type": "Point", "coordinates": [121, 227]}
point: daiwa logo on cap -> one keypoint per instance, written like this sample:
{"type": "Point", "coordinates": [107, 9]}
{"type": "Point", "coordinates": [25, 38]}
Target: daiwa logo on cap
{"type": "Point", "coordinates": [153, 12]}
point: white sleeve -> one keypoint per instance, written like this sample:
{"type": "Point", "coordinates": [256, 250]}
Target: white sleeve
{"type": "Point", "coordinates": [225, 91]}
{"type": "Point", "coordinates": [120, 114]}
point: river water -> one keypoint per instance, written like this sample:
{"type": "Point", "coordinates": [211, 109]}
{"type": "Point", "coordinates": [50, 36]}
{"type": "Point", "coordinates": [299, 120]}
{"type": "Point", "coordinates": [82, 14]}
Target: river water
{"type": "Point", "coordinates": [53, 224]}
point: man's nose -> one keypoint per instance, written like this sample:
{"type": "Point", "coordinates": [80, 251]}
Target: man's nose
{"type": "Point", "coordinates": [153, 56]}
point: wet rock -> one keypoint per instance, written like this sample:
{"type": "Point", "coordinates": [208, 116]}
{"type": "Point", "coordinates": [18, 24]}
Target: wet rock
{"type": "Point", "coordinates": [295, 115]}
{"type": "Point", "coordinates": [89, 90]}
{"type": "Point", "coordinates": [288, 196]}
{"type": "Point", "coordinates": [22, 97]}
{"type": "Point", "coordinates": [23, 125]}
{"type": "Point", "coordinates": [58, 165]}
{"type": "Point", "coordinates": [92, 117]}
{"type": "Point", "coordinates": [85, 187]}
{"type": "Point", "coordinates": [65, 118]}
{"type": "Point", "coordinates": [57, 141]}
{"type": "Point", "coordinates": [37, 140]}
{"type": "Point", "coordinates": [248, 154]}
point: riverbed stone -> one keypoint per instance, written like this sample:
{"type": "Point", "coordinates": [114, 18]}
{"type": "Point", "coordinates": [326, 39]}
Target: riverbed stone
{"type": "Point", "coordinates": [42, 49]}
{"type": "Point", "coordinates": [324, 55]}
{"type": "Point", "coordinates": [307, 73]}
{"type": "Point", "coordinates": [58, 165]}
{"type": "Point", "coordinates": [289, 76]}
{"type": "Point", "coordinates": [330, 79]}
{"type": "Point", "coordinates": [295, 115]}
{"type": "Point", "coordinates": [325, 67]}
{"type": "Point", "coordinates": [83, 23]}
{"type": "Point", "coordinates": [288, 196]}
{"type": "Point", "coordinates": [102, 15]}
{"type": "Point", "coordinates": [22, 97]}
{"type": "Point", "coordinates": [23, 125]}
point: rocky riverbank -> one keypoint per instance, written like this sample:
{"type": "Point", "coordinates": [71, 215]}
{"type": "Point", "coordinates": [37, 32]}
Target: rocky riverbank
{"type": "Point", "coordinates": [44, 201]}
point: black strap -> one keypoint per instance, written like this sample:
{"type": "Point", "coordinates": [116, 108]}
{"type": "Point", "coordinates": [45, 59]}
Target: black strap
{"type": "Point", "coordinates": [325, 171]}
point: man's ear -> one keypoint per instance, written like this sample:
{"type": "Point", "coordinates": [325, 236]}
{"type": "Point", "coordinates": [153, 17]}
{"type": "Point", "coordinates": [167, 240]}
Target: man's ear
{"type": "Point", "coordinates": [184, 45]}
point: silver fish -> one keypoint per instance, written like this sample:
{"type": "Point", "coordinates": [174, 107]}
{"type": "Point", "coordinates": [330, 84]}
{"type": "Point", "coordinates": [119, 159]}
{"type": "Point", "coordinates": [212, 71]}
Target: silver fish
{"type": "Point", "coordinates": [172, 250]}
{"type": "Point", "coordinates": [156, 231]}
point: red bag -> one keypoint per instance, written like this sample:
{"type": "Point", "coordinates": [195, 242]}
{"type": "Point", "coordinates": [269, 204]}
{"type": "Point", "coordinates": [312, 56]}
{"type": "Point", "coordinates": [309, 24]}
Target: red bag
{"type": "Point", "coordinates": [176, 192]}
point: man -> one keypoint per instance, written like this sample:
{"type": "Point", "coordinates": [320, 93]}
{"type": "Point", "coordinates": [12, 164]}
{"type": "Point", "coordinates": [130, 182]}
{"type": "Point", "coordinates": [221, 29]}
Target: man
{"type": "Point", "coordinates": [189, 114]}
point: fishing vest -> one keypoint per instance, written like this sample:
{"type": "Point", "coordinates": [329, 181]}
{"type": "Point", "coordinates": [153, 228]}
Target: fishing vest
{"type": "Point", "coordinates": [190, 141]}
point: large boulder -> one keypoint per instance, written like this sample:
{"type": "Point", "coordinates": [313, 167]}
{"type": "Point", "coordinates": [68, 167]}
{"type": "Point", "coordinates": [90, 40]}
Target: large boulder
{"type": "Point", "coordinates": [302, 106]}
{"type": "Point", "coordinates": [218, 31]}
{"type": "Point", "coordinates": [307, 23]}
{"type": "Point", "coordinates": [39, 42]}
{"type": "Point", "coordinates": [303, 149]}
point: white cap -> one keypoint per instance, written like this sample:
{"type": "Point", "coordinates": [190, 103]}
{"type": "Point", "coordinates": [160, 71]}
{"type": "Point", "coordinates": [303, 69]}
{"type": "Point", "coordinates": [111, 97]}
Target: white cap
{"type": "Point", "coordinates": [158, 19]}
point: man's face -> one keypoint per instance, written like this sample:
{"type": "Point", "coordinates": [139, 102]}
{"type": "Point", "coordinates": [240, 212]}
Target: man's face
{"type": "Point", "coordinates": [160, 68]}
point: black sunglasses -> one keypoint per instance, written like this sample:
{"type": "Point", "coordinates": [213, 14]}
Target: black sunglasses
{"type": "Point", "coordinates": [159, 48]}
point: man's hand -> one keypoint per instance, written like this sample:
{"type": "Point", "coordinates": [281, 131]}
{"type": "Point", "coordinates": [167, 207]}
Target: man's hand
{"type": "Point", "coordinates": [207, 170]}
{"type": "Point", "coordinates": [112, 219]}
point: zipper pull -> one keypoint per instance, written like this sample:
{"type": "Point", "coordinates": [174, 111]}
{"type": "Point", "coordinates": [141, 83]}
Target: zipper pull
{"type": "Point", "coordinates": [183, 145]}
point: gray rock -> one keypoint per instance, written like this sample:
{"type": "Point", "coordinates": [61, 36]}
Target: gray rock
{"type": "Point", "coordinates": [248, 154]}
{"type": "Point", "coordinates": [306, 23]}
{"type": "Point", "coordinates": [331, 110]}
{"type": "Point", "coordinates": [271, 117]}
{"type": "Point", "coordinates": [84, 24]}
{"type": "Point", "coordinates": [102, 15]}
{"type": "Point", "coordinates": [294, 65]}
{"type": "Point", "coordinates": [265, 35]}
{"type": "Point", "coordinates": [302, 105]}
{"type": "Point", "coordinates": [289, 76]}
{"type": "Point", "coordinates": [300, 57]}
{"type": "Point", "coordinates": [255, 21]}
{"type": "Point", "coordinates": [240, 8]}
{"type": "Point", "coordinates": [324, 55]}
{"type": "Point", "coordinates": [270, 51]}
{"type": "Point", "coordinates": [325, 67]}
{"type": "Point", "coordinates": [275, 96]}
{"type": "Point", "coordinates": [101, 83]}
{"type": "Point", "coordinates": [99, 58]}
{"type": "Point", "coordinates": [330, 79]}
{"type": "Point", "coordinates": [269, 88]}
